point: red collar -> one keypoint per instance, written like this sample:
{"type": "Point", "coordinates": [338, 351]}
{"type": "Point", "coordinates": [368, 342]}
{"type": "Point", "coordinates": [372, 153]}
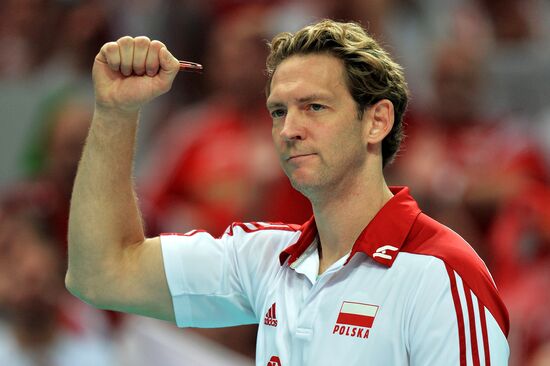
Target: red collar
{"type": "Point", "coordinates": [381, 239]}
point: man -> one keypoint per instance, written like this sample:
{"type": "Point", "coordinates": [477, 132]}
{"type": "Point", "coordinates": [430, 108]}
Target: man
{"type": "Point", "coordinates": [368, 280]}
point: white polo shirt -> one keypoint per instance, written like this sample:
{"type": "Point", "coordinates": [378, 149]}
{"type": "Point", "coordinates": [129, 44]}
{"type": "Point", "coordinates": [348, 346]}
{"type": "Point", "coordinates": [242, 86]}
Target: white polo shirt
{"type": "Point", "coordinates": [411, 292]}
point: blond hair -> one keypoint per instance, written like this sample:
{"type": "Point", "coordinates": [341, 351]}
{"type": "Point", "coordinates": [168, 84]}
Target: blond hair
{"type": "Point", "coordinates": [371, 74]}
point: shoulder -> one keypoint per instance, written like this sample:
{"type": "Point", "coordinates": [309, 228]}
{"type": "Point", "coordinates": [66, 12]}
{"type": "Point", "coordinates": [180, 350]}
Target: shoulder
{"type": "Point", "coordinates": [263, 227]}
{"type": "Point", "coordinates": [244, 237]}
{"type": "Point", "coordinates": [429, 237]}
{"type": "Point", "coordinates": [463, 265]}
{"type": "Point", "coordinates": [256, 235]}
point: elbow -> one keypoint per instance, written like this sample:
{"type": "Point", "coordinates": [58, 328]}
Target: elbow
{"type": "Point", "coordinates": [81, 290]}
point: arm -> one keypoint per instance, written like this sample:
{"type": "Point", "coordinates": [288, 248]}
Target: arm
{"type": "Point", "coordinates": [111, 264]}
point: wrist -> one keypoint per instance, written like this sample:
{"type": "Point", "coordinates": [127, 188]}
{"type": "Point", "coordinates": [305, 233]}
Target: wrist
{"type": "Point", "coordinates": [118, 113]}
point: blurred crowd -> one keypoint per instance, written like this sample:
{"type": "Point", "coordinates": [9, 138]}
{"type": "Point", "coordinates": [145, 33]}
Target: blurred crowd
{"type": "Point", "coordinates": [476, 155]}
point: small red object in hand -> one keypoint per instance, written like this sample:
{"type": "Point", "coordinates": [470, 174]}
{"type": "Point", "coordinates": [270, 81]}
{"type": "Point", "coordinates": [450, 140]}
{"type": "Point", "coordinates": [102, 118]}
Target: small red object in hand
{"type": "Point", "coordinates": [190, 66]}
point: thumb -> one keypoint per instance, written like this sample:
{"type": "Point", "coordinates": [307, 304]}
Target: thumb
{"type": "Point", "coordinates": [169, 65]}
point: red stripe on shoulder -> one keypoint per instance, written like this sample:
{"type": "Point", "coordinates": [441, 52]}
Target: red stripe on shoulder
{"type": "Point", "coordinates": [459, 316]}
{"type": "Point", "coordinates": [251, 227]}
{"type": "Point", "coordinates": [189, 233]}
{"type": "Point", "coordinates": [472, 322]}
{"type": "Point", "coordinates": [486, 349]}
{"type": "Point", "coordinates": [429, 237]}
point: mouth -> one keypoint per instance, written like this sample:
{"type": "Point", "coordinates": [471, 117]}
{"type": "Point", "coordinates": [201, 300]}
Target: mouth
{"type": "Point", "coordinates": [297, 156]}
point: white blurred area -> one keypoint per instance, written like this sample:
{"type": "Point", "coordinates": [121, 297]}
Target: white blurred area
{"type": "Point", "coordinates": [476, 156]}
{"type": "Point", "coordinates": [144, 342]}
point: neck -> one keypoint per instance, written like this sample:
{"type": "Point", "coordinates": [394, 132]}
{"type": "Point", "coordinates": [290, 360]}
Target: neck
{"type": "Point", "coordinates": [340, 218]}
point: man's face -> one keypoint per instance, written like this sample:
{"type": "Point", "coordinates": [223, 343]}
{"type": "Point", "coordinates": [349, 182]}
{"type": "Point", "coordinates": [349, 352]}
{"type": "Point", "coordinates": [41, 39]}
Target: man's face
{"type": "Point", "coordinates": [317, 134]}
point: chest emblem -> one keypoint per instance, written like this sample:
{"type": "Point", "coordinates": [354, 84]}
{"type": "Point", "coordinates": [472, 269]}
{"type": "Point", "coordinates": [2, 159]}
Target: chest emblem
{"type": "Point", "coordinates": [271, 316]}
{"type": "Point", "coordinates": [355, 319]}
{"type": "Point", "coordinates": [382, 252]}
{"type": "Point", "coordinates": [274, 361]}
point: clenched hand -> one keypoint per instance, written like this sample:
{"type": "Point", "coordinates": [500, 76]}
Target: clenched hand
{"type": "Point", "coordinates": [132, 71]}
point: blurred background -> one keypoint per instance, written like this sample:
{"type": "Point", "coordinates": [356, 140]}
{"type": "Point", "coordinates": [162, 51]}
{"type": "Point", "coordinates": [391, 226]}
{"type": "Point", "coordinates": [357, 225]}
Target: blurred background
{"type": "Point", "coordinates": [476, 155]}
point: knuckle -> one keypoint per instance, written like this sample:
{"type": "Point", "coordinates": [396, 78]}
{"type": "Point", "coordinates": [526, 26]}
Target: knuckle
{"type": "Point", "coordinates": [126, 40]}
{"type": "Point", "coordinates": [157, 44]}
{"type": "Point", "coordinates": [142, 41]}
{"type": "Point", "coordinates": [110, 47]}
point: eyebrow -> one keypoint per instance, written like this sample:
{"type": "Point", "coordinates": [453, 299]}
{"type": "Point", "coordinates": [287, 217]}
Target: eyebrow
{"type": "Point", "coordinates": [302, 100]}
{"type": "Point", "coordinates": [271, 105]}
{"type": "Point", "coordinates": [312, 97]}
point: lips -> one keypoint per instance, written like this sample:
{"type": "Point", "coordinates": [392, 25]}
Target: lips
{"type": "Point", "coordinates": [296, 156]}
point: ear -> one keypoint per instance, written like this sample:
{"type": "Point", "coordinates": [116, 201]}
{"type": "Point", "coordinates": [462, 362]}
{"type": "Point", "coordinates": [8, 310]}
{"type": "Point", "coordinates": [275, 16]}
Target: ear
{"type": "Point", "coordinates": [380, 118]}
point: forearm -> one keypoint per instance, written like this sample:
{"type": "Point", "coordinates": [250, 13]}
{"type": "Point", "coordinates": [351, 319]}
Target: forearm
{"type": "Point", "coordinates": [104, 217]}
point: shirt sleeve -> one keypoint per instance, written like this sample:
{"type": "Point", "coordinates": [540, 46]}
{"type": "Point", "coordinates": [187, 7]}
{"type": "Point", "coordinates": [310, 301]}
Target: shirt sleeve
{"type": "Point", "coordinates": [450, 325]}
{"type": "Point", "coordinates": [204, 281]}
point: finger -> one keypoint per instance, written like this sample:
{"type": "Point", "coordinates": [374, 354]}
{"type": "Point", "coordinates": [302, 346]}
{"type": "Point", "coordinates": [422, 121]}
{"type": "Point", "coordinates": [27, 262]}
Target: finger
{"type": "Point", "coordinates": [110, 55]}
{"type": "Point", "coordinates": [152, 63]}
{"type": "Point", "coordinates": [168, 64]}
{"type": "Point", "coordinates": [169, 67]}
{"type": "Point", "coordinates": [126, 49]}
{"type": "Point", "coordinates": [141, 47]}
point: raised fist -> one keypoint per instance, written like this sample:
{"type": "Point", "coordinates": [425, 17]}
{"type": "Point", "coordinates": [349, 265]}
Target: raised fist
{"type": "Point", "coordinates": [132, 71]}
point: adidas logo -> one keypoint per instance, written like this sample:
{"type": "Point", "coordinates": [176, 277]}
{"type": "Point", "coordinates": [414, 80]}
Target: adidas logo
{"type": "Point", "coordinates": [270, 317]}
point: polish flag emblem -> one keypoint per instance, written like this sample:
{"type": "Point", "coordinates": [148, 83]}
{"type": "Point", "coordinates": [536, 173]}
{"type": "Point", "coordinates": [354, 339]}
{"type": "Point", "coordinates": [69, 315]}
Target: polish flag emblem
{"type": "Point", "coordinates": [357, 314]}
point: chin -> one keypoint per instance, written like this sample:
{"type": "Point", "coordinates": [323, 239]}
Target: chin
{"type": "Point", "coordinates": [304, 186]}
{"type": "Point", "coordinates": [303, 180]}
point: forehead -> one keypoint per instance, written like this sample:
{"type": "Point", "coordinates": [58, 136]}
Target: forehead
{"type": "Point", "coordinates": [309, 74]}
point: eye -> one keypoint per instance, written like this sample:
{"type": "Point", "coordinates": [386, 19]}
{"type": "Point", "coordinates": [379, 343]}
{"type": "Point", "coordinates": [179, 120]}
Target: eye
{"type": "Point", "coordinates": [316, 107]}
{"type": "Point", "coordinates": [278, 113]}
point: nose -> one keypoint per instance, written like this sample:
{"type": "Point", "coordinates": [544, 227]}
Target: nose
{"type": "Point", "coordinates": [293, 127]}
